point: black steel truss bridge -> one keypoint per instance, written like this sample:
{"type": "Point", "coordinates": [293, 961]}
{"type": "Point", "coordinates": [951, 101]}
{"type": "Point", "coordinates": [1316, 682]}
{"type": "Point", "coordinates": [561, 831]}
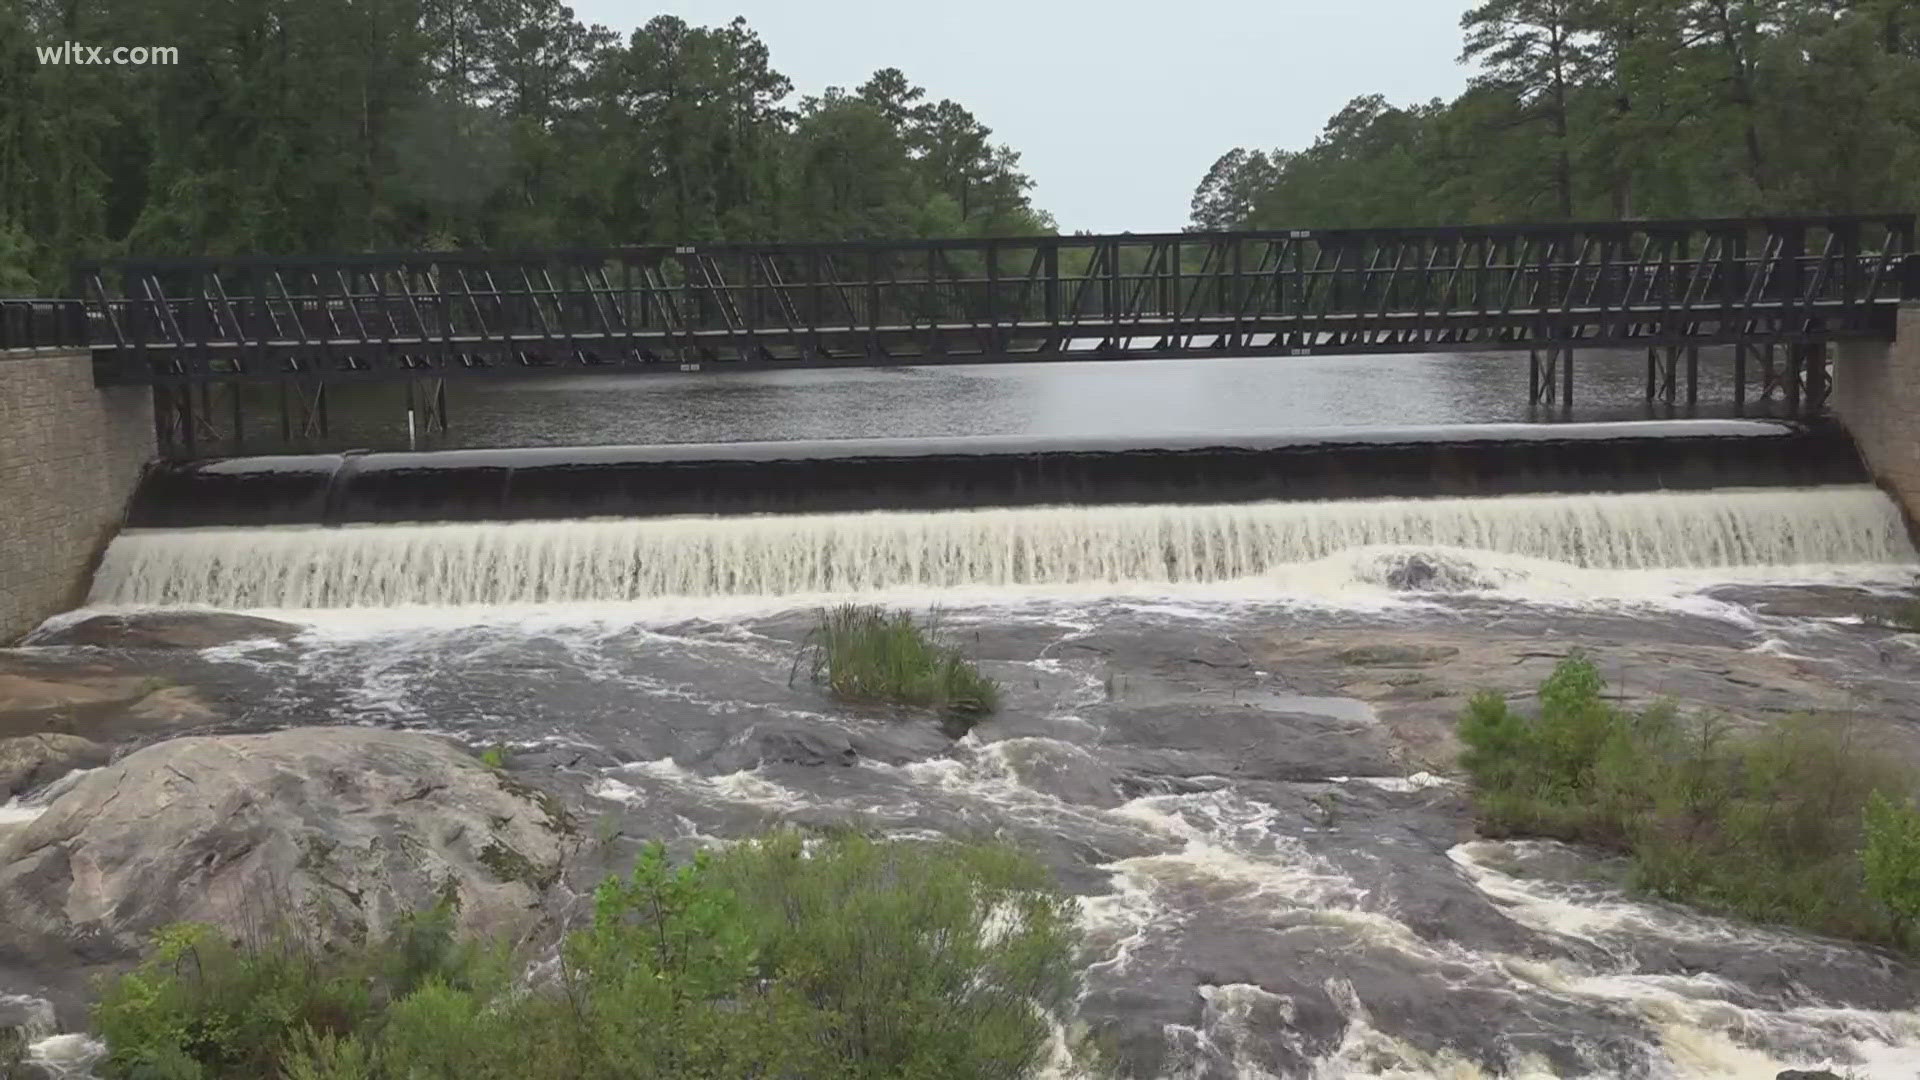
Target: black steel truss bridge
{"type": "Point", "coordinates": [1776, 290]}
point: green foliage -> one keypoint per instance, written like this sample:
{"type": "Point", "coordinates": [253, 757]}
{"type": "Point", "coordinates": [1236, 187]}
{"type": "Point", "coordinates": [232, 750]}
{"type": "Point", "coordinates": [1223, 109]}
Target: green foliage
{"type": "Point", "coordinates": [1765, 825]}
{"type": "Point", "coordinates": [837, 957]}
{"type": "Point", "coordinates": [922, 960]}
{"type": "Point", "coordinates": [494, 757]}
{"type": "Point", "coordinates": [1891, 860]}
{"type": "Point", "coordinates": [1596, 109]}
{"type": "Point", "coordinates": [867, 655]}
{"type": "Point", "coordinates": [202, 1007]}
{"type": "Point", "coordinates": [383, 124]}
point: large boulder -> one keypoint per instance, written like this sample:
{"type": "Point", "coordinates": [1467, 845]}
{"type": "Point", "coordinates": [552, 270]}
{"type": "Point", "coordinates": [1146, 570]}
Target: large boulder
{"type": "Point", "coordinates": [32, 761]}
{"type": "Point", "coordinates": [345, 829]}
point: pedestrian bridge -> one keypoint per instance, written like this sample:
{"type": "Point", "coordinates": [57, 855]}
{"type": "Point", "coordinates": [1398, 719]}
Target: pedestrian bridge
{"type": "Point", "coordinates": [1774, 290]}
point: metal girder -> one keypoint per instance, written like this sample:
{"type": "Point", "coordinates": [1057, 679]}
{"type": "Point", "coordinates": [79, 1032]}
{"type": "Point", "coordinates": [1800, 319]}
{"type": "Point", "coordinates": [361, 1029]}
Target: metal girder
{"type": "Point", "coordinates": [1765, 283]}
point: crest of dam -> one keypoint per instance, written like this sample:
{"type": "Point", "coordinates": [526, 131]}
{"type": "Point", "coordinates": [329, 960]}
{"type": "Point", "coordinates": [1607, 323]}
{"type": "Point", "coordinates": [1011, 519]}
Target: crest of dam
{"type": "Point", "coordinates": [849, 476]}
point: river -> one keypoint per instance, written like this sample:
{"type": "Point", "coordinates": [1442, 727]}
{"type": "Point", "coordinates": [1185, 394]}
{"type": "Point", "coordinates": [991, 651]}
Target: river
{"type": "Point", "coordinates": [1080, 398]}
{"type": "Point", "coordinates": [1225, 729]}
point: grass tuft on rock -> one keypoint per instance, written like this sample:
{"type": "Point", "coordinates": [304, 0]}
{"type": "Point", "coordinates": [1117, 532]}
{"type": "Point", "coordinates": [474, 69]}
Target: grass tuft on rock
{"type": "Point", "coordinates": [838, 956]}
{"type": "Point", "coordinates": [1905, 618]}
{"type": "Point", "coordinates": [866, 655]}
{"type": "Point", "coordinates": [1800, 822]}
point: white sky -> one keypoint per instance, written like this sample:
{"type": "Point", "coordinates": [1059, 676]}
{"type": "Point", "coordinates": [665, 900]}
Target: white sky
{"type": "Point", "coordinates": [1117, 107]}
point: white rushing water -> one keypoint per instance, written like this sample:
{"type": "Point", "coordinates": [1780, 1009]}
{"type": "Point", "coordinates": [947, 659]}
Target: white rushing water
{"type": "Point", "coordinates": [547, 562]}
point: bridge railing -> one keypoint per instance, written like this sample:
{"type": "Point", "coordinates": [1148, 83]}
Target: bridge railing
{"type": "Point", "coordinates": [42, 324]}
{"type": "Point", "coordinates": [1288, 292]}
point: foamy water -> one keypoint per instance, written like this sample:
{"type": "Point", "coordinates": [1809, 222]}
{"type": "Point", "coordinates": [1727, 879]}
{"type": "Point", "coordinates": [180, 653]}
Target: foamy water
{"type": "Point", "coordinates": [1286, 543]}
{"type": "Point", "coordinates": [400, 615]}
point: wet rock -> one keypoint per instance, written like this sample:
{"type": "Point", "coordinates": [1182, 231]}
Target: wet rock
{"type": "Point", "coordinates": [29, 697]}
{"type": "Point", "coordinates": [167, 630]}
{"type": "Point", "coordinates": [171, 707]}
{"type": "Point", "coordinates": [1065, 771]}
{"type": "Point", "coordinates": [350, 828]}
{"type": "Point", "coordinates": [564, 758]}
{"type": "Point", "coordinates": [786, 745]}
{"type": "Point", "coordinates": [32, 761]}
{"type": "Point", "coordinates": [1396, 655]}
{"type": "Point", "coordinates": [101, 701]}
{"type": "Point", "coordinates": [1806, 1074]}
{"type": "Point", "coordinates": [897, 742]}
{"type": "Point", "coordinates": [1241, 741]}
{"type": "Point", "coordinates": [1421, 572]}
{"type": "Point", "coordinates": [1161, 651]}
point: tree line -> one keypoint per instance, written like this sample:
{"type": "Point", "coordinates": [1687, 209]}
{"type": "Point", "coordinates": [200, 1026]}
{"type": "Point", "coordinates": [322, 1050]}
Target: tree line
{"type": "Point", "coordinates": [352, 125]}
{"type": "Point", "coordinates": [1615, 109]}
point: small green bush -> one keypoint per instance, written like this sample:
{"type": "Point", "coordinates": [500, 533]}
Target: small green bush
{"type": "Point", "coordinates": [1891, 860]}
{"type": "Point", "coordinates": [867, 655]}
{"type": "Point", "coordinates": [924, 960]}
{"type": "Point", "coordinates": [842, 957]}
{"type": "Point", "coordinates": [203, 1006]}
{"type": "Point", "coordinates": [1765, 825]}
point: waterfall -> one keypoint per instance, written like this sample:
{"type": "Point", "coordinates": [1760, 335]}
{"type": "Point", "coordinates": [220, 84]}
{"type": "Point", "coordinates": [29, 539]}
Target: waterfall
{"type": "Point", "coordinates": [632, 559]}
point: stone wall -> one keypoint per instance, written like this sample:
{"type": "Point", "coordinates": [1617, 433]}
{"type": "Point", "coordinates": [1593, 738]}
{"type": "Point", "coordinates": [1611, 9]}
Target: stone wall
{"type": "Point", "coordinates": [1876, 393]}
{"type": "Point", "coordinates": [69, 458]}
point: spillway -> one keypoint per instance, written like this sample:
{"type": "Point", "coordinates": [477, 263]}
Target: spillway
{"type": "Point", "coordinates": [855, 475]}
{"type": "Point", "coordinates": [773, 556]}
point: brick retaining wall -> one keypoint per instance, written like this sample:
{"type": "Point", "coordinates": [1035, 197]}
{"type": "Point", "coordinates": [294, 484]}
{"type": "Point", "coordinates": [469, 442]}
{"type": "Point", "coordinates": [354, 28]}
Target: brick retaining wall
{"type": "Point", "coordinates": [69, 458]}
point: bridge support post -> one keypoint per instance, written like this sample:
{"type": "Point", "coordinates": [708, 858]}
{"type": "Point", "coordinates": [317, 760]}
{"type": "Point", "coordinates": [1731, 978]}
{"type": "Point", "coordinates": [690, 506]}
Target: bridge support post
{"type": "Point", "coordinates": [303, 410]}
{"type": "Point", "coordinates": [187, 416]}
{"type": "Point", "coordinates": [1693, 376]}
{"type": "Point", "coordinates": [1740, 379]}
{"type": "Point", "coordinates": [426, 408]}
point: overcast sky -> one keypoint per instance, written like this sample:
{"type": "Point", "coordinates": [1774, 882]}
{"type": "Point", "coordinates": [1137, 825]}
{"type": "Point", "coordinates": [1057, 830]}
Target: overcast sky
{"type": "Point", "coordinates": [1117, 106]}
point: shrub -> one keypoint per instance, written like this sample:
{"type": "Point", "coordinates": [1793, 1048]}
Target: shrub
{"type": "Point", "coordinates": [923, 960]}
{"type": "Point", "coordinates": [1764, 825]}
{"type": "Point", "coordinates": [1891, 860]}
{"type": "Point", "coordinates": [203, 1006]}
{"type": "Point", "coordinates": [841, 957]}
{"type": "Point", "coordinates": [867, 655]}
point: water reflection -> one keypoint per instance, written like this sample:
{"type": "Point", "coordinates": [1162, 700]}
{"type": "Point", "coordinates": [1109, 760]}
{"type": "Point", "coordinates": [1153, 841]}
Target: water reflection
{"type": "Point", "coordinates": [1090, 398]}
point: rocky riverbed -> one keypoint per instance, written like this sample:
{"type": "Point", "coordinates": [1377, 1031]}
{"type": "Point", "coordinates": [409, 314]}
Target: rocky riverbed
{"type": "Point", "coordinates": [1250, 797]}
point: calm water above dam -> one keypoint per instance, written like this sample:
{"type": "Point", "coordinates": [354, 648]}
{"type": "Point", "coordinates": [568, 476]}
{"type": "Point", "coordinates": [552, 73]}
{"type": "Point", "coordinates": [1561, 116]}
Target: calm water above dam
{"type": "Point", "coordinates": [1079, 398]}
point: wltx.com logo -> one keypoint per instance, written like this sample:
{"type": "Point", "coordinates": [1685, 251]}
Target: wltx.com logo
{"type": "Point", "coordinates": [78, 55]}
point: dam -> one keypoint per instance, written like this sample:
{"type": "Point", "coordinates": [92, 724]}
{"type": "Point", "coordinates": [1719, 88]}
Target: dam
{"type": "Point", "coordinates": [854, 516]}
{"type": "Point", "coordinates": [1233, 662]}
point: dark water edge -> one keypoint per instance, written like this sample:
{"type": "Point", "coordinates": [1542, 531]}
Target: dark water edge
{"type": "Point", "coordinates": [1240, 791]}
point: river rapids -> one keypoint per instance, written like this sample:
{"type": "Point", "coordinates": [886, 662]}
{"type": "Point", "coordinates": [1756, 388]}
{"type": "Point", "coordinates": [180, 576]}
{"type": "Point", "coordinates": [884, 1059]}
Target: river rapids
{"type": "Point", "coordinates": [1226, 729]}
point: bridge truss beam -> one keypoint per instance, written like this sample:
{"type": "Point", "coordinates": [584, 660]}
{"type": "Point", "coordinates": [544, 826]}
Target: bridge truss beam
{"type": "Point", "coordinates": [1788, 284]}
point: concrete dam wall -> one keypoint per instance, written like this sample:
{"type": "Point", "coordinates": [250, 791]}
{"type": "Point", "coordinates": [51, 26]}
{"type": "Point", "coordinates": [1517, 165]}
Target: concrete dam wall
{"type": "Point", "coordinates": [69, 457]}
{"type": "Point", "coordinates": [845, 476]}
